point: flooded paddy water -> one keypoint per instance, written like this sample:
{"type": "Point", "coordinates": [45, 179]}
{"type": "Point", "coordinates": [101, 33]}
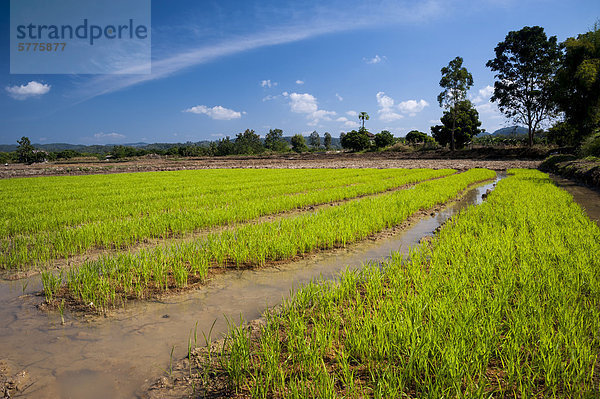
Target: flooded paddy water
{"type": "Point", "coordinates": [121, 355]}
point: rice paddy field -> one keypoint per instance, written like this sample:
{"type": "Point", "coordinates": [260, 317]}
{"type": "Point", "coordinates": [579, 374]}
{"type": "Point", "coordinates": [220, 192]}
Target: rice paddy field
{"type": "Point", "coordinates": [502, 301]}
{"type": "Point", "coordinates": [45, 219]}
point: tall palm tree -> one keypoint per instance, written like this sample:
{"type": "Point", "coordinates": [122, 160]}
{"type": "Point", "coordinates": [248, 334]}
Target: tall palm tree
{"type": "Point", "coordinates": [363, 116]}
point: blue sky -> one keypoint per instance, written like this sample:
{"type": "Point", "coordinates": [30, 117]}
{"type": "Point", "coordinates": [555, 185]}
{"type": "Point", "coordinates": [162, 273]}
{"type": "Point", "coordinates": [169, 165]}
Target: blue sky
{"type": "Point", "coordinates": [220, 67]}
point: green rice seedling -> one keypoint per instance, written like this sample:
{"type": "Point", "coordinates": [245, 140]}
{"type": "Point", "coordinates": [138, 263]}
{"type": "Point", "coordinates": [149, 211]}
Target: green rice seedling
{"type": "Point", "coordinates": [505, 301]}
{"type": "Point", "coordinates": [61, 310]}
{"type": "Point", "coordinates": [118, 211]}
{"type": "Point", "coordinates": [257, 244]}
{"type": "Point", "coordinates": [51, 284]}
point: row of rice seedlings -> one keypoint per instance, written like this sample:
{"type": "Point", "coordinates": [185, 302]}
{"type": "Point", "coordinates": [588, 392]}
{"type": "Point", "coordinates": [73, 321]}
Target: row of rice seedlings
{"type": "Point", "coordinates": [80, 239]}
{"type": "Point", "coordinates": [75, 200]}
{"type": "Point", "coordinates": [505, 302]}
{"type": "Point", "coordinates": [45, 246]}
{"type": "Point", "coordinates": [141, 274]}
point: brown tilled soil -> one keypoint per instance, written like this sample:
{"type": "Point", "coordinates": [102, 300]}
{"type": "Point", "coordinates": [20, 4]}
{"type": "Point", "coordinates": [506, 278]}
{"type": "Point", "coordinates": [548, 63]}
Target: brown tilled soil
{"type": "Point", "coordinates": [434, 160]}
{"type": "Point", "coordinates": [11, 383]}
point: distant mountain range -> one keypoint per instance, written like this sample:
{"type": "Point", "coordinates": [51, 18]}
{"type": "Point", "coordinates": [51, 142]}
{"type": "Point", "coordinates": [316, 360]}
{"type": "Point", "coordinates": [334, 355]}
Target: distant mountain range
{"type": "Point", "coordinates": [507, 131]}
{"type": "Point", "coordinates": [106, 148]}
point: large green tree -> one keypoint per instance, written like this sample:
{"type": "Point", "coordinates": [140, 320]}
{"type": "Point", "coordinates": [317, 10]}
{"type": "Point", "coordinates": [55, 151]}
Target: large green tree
{"type": "Point", "coordinates": [355, 140]}
{"type": "Point", "coordinates": [577, 89]}
{"type": "Point", "coordinates": [248, 143]}
{"type": "Point", "coordinates": [463, 120]}
{"type": "Point", "coordinates": [456, 81]}
{"type": "Point", "coordinates": [525, 65]}
{"type": "Point", "coordinates": [274, 140]}
{"type": "Point", "coordinates": [384, 139]}
{"type": "Point", "coordinates": [315, 140]}
{"type": "Point", "coordinates": [225, 147]}
{"type": "Point", "coordinates": [327, 140]}
{"type": "Point", "coordinates": [25, 151]}
{"type": "Point", "coordinates": [298, 143]}
{"type": "Point", "coordinates": [415, 136]}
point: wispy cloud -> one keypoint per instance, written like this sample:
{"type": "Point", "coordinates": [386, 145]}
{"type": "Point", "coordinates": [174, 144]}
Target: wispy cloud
{"type": "Point", "coordinates": [102, 137]}
{"type": "Point", "coordinates": [165, 67]}
{"type": "Point", "coordinates": [347, 123]}
{"type": "Point", "coordinates": [325, 21]}
{"type": "Point", "coordinates": [268, 83]}
{"type": "Point", "coordinates": [31, 89]}
{"type": "Point", "coordinates": [270, 97]}
{"type": "Point", "coordinates": [375, 60]}
{"type": "Point", "coordinates": [299, 82]}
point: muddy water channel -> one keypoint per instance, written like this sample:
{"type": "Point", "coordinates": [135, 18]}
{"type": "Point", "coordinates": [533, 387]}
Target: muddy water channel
{"type": "Point", "coordinates": [587, 198]}
{"type": "Point", "coordinates": [118, 356]}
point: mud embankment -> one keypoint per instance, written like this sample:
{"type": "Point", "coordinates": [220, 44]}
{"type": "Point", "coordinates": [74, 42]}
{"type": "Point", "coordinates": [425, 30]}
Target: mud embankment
{"type": "Point", "coordinates": [433, 160]}
{"type": "Point", "coordinates": [584, 170]}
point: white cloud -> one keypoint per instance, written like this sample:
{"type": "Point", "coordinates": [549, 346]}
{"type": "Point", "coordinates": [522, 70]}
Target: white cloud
{"type": "Point", "coordinates": [483, 94]}
{"type": "Point", "coordinates": [411, 107]}
{"type": "Point", "coordinates": [268, 83]}
{"type": "Point", "coordinates": [303, 103]}
{"type": "Point", "coordinates": [384, 101]}
{"type": "Point", "coordinates": [489, 113]}
{"type": "Point", "coordinates": [216, 112]}
{"type": "Point", "coordinates": [375, 60]}
{"type": "Point", "coordinates": [388, 115]}
{"type": "Point", "coordinates": [347, 123]}
{"type": "Point", "coordinates": [386, 108]}
{"type": "Point", "coordinates": [108, 136]}
{"type": "Point", "coordinates": [319, 115]}
{"type": "Point", "coordinates": [322, 114]}
{"type": "Point", "coordinates": [340, 98]}
{"type": "Point", "coordinates": [352, 113]}
{"type": "Point", "coordinates": [486, 91]}
{"type": "Point", "coordinates": [299, 82]}
{"type": "Point", "coordinates": [31, 89]}
{"type": "Point", "coordinates": [489, 110]}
